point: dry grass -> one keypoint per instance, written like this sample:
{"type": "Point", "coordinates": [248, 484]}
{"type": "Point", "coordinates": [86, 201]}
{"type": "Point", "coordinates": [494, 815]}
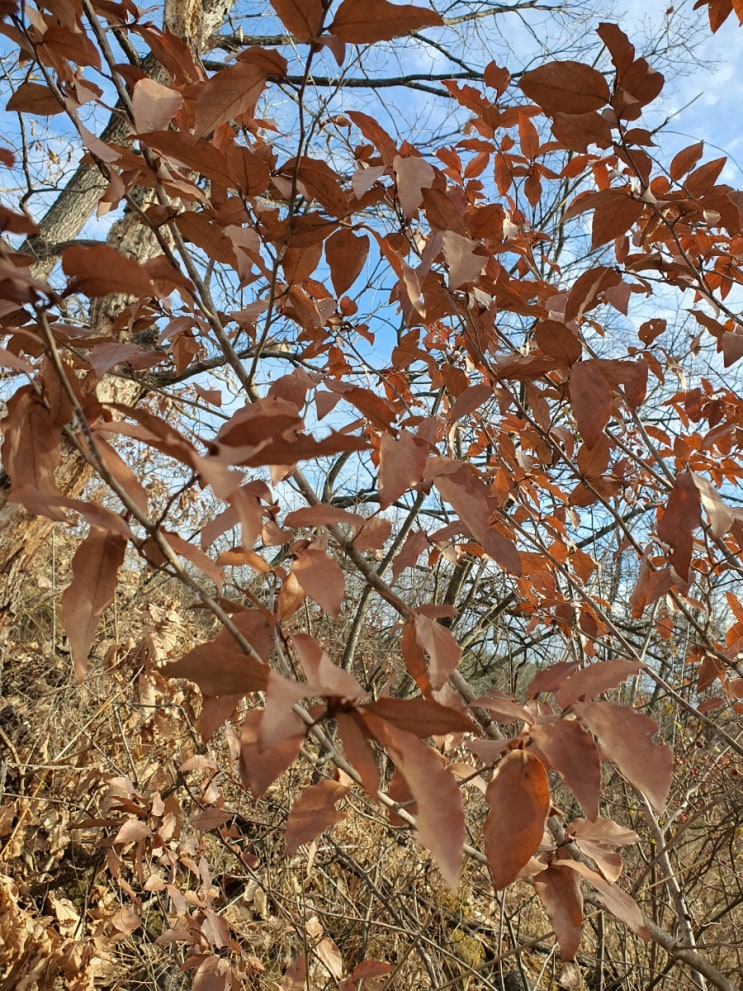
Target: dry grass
{"type": "Point", "coordinates": [120, 869]}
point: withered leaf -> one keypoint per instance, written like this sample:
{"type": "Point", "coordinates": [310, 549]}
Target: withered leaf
{"type": "Point", "coordinates": [363, 22]}
{"type": "Point", "coordinates": [566, 87]}
{"type": "Point", "coordinates": [616, 901]}
{"type": "Point", "coordinates": [590, 397]}
{"type": "Point", "coordinates": [440, 815]}
{"type": "Point", "coordinates": [559, 892]}
{"type": "Point", "coordinates": [95, 568]}
{"type": "Point", "coordinates": [518, 798]}
{"type": "Point", "coordinates": [625, 737]}
{"type": "Point", "coordinates": [313, 812]}
{"type": "Point", "coordinates": [571, 751]}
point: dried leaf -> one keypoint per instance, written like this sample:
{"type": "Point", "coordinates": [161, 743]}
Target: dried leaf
{"type": "Point", "coordinates": [680, 518]}
{"type": "Point", "coordinates": [625, 737]}
{"type": "Point", "coordinates": [313, 812]}
{"type": "Point", "coordinates": [462, 259]}
{"type": "Point", "coordinates": [260, 766]}
{"type": "Point", "coordinates": [518, 798]}
{"type": "Point", "coordinates": [34, 98]}
{"type": "Point", "coordinates": [422, 717]}
{"type": "Point", "coordinates": [571, 751]}
{"type": "Point", "coordinates": [220, 668]}
{"type": "Point", "coordinates": [345, 253]}
{"type": "Point", "coordinates": [363, 22]}
{"type": "Point", "coordinates": [95, 569]}
{"type": "Point", "coordinates": [559, 892]}
{"type": "Point", "coordinates": [235, 90]}
{"type": "Point", "coordinates": [440, 815]}
{"type": "Point", "coordinates": [594, 679]}
{"type": "Point", "coordinates": [102, 270]}
{"type": "Point", "coordinates": [590, 397]}
{"type": "Point", "coordinates": [402, 462]}
{"type": "Point", "coordinates": [358, 750]}
{"type": "Point", "coordinates": [154, 105]}
{"type": "Point", "coordinates": [302, 18]}
{"type": "Point", "coordinates": [444, 653]}
{"type": "Point", "coordinates": [321, 578]}
{"type": "Point", "coordinates": [464, 490]}
{"type": "Point", "coordinates": [613, 899]}
{"type": "Point", "coordinates": [413, 176]}
{"type": "Point", "coordinates": [566, 87]}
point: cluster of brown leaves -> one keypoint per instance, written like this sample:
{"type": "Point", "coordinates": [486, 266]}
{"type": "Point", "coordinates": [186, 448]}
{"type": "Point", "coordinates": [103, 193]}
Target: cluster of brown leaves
{"type": "Point", "coordinates": [461, 265]}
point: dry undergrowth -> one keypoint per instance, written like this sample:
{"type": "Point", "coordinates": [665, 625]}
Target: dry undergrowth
{"type": "Point", "coordinates": [132, 857]}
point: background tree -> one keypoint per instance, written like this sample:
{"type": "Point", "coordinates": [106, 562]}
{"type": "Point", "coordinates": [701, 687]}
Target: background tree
{"type": "Point", "coordinates": [387, 412]}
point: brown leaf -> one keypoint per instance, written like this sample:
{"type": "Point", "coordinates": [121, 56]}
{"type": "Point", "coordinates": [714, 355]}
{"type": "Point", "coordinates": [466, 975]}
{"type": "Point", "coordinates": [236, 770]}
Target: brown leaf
{"type": "Point", "coordinates": [373, 535]}
{"type": "Point", "coordinates": [95, 569]}
{"type": "Point", "coordinates": [518, 797]}
{"type": "Point", "coordinates": [313, 812]}
{"type": "Point", "coordinates": [220, 668]}
{"type": "Point", "coordinates": [621, 50]}
{"type": "Point", "coordinates": [422, 717]}
{"type": "Point", "coordinates": [625, 737]}
{"type": "Point", "coordinates": [302, 18]}
{"type": "Point", "coordinates": [154, 105]}
{"type": "Point", "coordinates": [14, 361]}
{"type": "Point", "coordinates": [571, 751]}
{"type": "Point", "coordinates": [461, 486]}
{"type": "Point", "coordinates": [260, 766]}
{"type": "Point", "coordinates": [32, 448]}
{"type": "Point", "coordinates": [101, 270]}
{"type": "Point", "coordinates": [560, 894]}
{"type": "Point", "coordinates": [614, 212]}
{"type": "Point", "coordinates": [321, 578]}
{"type": "Point", "coordinates": [470, 399]}
{"type": "Point", "coordinates": [414, 658]}
{"type": "Point", "coordinates": [123, 474]}
{"type": "Point", "coordinates": [234, 91]}
{"type": "Point", "coordinates": [680, 518]}
{"type": "Point", "coordinates": [357, 749]}
{"type": "Point", "coordinates": [363, 22]}
{"type": "Point", "coordinates": [462, 260]}
{"type": "Point", "coordinates": [440, 815]}
{"type": "Point", "coordinates": [578, 131]}
{"type": "Point", "coordinates": [685, 160]}
{"type": "Point", "coordinates": [558, 341]}
{"type": "Point", "coordinates": [195, 555]}
{"type": "Point", "coordinates": [444, 653]}
{"type": "Point", "coordinates": [402, 461]}
{"type": "Point", "coordinates": [132, 831]}
{"type": "Point", "coordinates": [201, 156]}
{"type": "Point", "coordinates": [599, 838]}
{"type": "Point", "coordinates": [107, 355]}
{"type": "Point", "coordinates": [613, 899]}
{"type": "Point", "coordinates": [33, 98]}
{"type": "Point", "coordinates": [318, 182]}
{"type": "Point", "coordinates": [371, 968]}
{"type": "Point", "coordinates": [413, 176]}
{"type": "Point", "coordinates": [566, 87]}
{"type": "Point", "coordinates": [324, 677]}
{"type": "Point", "coordinates": [721, 516]}
{"type": "Point", "coordinates": [322, 515]}
{"type": "Point", "coordinates": [290, 598]}
{"type": "Point", "coordinates": [588, 291]}
{"type": "Point", "coordinates": [504, 707]}
{"type": "Point", "coordinates": [295, 976]}
{"type": "Point", "coordinates": [590, 397]}
{"type": "Point", "coordinates": [345, 253]}
{"type": "Point", "coordinates": [594, 679]}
